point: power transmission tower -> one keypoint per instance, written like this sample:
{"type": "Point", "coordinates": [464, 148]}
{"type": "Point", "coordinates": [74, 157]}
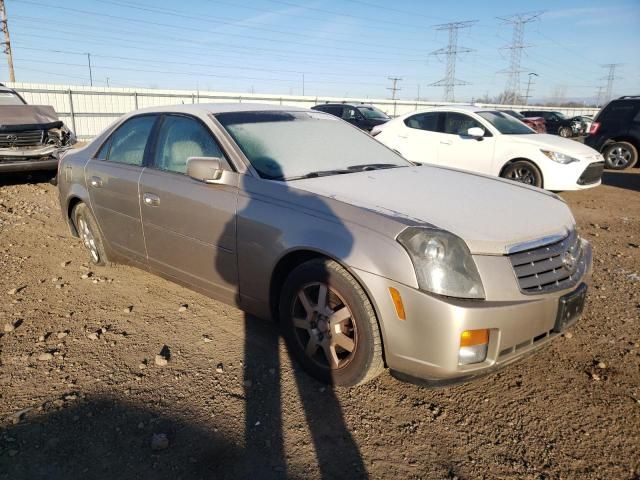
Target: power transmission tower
{"type": "Point", "coordinates": [395, 87]}
{"type": "Point", "coordinates": [451, 51]}
{"type": "Point", "coordinates": [527, 96]}
{"type": "Point", "coordinates": [7, 41]}
{"type": "Point", "coordinates": [610, 78]}
{"type": "Point", "coordinates": [519, 20]}
{"type": "Point", "coordinates": [599, 96]}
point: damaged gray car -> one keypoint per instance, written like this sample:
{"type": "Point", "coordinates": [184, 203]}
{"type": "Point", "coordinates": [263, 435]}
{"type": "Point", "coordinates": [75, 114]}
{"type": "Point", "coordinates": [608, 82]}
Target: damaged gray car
{"type": "Point", "coordinates": [31, 136]}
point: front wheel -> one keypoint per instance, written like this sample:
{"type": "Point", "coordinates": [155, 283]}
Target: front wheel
{"type": "Point", "coordinates": [565, 132]}
{"type": "Point", "coordinates": [89, 233]}
{"type": "Point", "coordinates": [620, 155]}
{"type": "Point", "coordinates": [330, 325]}
{"type": "Point", "coordinates": [523, 171]}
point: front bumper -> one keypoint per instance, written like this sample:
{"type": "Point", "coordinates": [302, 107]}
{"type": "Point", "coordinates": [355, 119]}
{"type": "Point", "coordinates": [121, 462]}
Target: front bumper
{"type": "Point", "coordinates": [558, 177]}
{"type": "Point", "coordinates": [426, 344]}
{"type": "Point", "coordinates": [29, 159]}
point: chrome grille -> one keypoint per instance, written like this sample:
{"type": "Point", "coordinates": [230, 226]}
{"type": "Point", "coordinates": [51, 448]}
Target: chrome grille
{"type": "Point", "coordinates": [551, 267]}
{"type": "Point", "coordinates": [30, 138]}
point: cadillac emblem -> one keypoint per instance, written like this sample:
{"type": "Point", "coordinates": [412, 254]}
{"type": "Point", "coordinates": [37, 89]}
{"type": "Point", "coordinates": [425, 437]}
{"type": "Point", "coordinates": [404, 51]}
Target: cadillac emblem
{"type": "Point", "coordinates": [569, 261]}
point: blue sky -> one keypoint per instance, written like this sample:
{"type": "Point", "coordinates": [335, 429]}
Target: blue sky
{"type": "Point", "coordinates": [339, 47]}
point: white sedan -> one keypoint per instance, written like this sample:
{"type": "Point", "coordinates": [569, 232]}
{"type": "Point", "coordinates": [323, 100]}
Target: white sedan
{"type": "Point", "coordinates": [493, 143]}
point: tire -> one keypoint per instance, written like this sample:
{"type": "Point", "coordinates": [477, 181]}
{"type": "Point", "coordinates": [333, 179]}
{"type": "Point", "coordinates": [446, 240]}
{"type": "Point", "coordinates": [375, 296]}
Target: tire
{"type": "Point", "coordinates": [314, 341]}
{"type": "Point", "coordinates": [523, 171]}
{"type": "Point", "coordinates": [89, 233]}
{"type": "Point", "coordinates": [565, 132]}
{"type": "Point", "coordinates": [620, 155]}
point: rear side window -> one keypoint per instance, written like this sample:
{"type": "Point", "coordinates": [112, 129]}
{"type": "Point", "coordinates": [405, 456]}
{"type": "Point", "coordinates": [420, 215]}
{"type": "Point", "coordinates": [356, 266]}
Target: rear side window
{"type": "Point", "coordinates": [128, 142]}
{"type": "Point", "coordinates": [423, 121]}
{"type": "Point", "coordinates": [350, 113]}
{"type": "Point", "coordinates": [180, 138]}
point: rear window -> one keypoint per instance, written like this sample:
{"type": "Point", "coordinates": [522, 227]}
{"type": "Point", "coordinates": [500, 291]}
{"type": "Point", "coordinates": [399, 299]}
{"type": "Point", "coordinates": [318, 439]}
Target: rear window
{"type": "Point", "coordinates": [10, 98]}
{"type": "Point", "coordinates": [620, 111]}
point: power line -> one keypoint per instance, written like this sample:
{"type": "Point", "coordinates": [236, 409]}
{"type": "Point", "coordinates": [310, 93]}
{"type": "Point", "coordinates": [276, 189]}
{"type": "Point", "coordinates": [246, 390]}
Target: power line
{"type": "Point", "coordinates": [518, 20]}
{"type": "Point", "coordinates": [7, 41]}
{"type": "Point", "coordinates": [451, 51]}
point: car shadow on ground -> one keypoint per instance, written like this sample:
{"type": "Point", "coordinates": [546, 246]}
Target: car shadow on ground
{"type": "Point", "coordinates": [106, 438]}
{"type": "Point", "coordinates": [7, 179]}
{"type": "Point", "coordinates": [627, 180]}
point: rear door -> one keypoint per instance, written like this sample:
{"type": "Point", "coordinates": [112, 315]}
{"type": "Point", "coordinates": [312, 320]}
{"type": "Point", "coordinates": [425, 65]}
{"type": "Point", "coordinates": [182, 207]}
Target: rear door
{"type": "Point", "coordinates": [618, 117]}
{"type": "Point", "coordinates": [457, 149]}
{"type": "Point", "coordinates": [417, 139]}
{"type": "Point", "coordinates": [112, 178]}
{"type": "Point", "coordinates": [189, 226]}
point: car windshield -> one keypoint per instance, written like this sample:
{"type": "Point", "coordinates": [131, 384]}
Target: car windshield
{"type": "Point", "coordinates": [505, 123]}
{"type": "Point", "coordinates": [373, 113]}
{"type": "Point", "coordinates": [10, 98]}
{"type": "Point", "coordinates": [292, 145]}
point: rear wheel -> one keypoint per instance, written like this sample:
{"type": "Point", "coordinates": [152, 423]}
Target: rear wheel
{"type": "Point", "coordinates": [330, 325]}
{"type": "Point", "coordinates": [523, 171]}
{"type": "Point", "coordinates": [89, 233]}
{"type": "Point", "coordinates": [620, 155]}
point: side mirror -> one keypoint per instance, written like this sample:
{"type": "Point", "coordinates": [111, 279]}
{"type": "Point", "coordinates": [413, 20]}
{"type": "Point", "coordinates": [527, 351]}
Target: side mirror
{"type": "Point", "coordinates": [205, 169]}
{"type": "Point", "coordinates": [475, 132]}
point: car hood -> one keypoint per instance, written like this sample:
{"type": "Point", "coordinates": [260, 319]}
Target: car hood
{"type": "Point", "coordinates": [16, 117]}
{"type": "Point", "coordinates": [556, 144]}
{"type": "Point", "coordinates": [489, 214]}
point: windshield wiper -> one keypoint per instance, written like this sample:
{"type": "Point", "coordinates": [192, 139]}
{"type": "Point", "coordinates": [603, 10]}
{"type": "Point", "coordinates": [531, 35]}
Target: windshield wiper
{"type": "Point", "coordinates": [372, 166]}
{"type": "Point", "coordinates": [322, 173]}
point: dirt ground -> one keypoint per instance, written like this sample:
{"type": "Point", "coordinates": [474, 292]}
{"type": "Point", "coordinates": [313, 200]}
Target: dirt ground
{"type": "Point", "coordinates": [81, 395]}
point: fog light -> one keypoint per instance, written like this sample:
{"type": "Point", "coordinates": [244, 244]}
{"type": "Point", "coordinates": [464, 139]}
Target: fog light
{"type": "Point", "coordinates": [473, 346]}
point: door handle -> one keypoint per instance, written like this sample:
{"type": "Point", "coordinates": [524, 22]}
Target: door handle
{"type": "Point", "coordinates": [95, 182]}
{"type": "Point", "coordinates": [403, 136]}
{"type": "Point", "coordinates": [151, 200]}
{"type": "Point", "coordinates": [445, 142]}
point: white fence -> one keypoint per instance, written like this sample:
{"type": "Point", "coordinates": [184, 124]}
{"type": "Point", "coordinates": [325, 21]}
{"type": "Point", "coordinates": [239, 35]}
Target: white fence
{"type": "Point", "coordinates": [88, 110]}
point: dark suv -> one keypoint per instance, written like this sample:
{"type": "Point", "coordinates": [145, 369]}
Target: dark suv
{"type": "Point", "coordinates": [555, 122]}
{"type": "Point", "coordinates": [616, 132]}
{"type": "Point", "coordinates": [361, 115]}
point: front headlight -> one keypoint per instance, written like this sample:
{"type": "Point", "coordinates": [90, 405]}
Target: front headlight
{"type": "Point", "coordinates": [442, 262]}
{"type": "Point", "coordinates": [559, 157]}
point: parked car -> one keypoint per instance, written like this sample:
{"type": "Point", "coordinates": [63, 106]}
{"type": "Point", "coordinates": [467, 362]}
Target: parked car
{"type": "Point", "coordinates": [581, 124]}
{"type": "Point", "coordinates": [555, 122]}
{"type": "Point", "coordinates": [536, 123]}
{"type": "Point", "coordinates": [616, 132]}
{"type": "Point", "coordinates": [362, 116]}
{"type": "Point", "coordinates": [30, 135]}
{"type": "Point", "coordinates": [366, 259]}
{"type": "Point", "coordinates": [493, 143]}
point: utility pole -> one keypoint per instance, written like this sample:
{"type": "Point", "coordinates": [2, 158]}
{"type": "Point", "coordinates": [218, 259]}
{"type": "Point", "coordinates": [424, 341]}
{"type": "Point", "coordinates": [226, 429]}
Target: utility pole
{"type": "Point", "coordinates": [107, 82]}
{"type": "Point", "coordinates": [7, 41]}
{"type": "Point", "coordinates": [451, 51]}
{"type": "Point", "coordinates": [610, 78]}
{"type": "Point", "coordinates": [519, 20]}
{"type": "Point", "coordinates": [395, 87]}
{"type": "Point", "coordinates": [418, 99]}
{"type": "Point", "coordinates": [526, 97]}
{"type": "Point", "coordinates": [303, 84]}
{"type": "Point", "coordinates": [90, 72]}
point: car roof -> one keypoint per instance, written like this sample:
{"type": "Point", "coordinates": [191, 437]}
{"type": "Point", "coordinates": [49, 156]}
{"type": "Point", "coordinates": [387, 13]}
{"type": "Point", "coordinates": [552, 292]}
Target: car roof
{"type": "Point", "coordinates": [6, 89]}
{"type": "Point", "coordinates": [215, 108]}
{"type": "Point", "coordinates": [340, 104]}
{"type": "Point", "coordinates": [451, 108]}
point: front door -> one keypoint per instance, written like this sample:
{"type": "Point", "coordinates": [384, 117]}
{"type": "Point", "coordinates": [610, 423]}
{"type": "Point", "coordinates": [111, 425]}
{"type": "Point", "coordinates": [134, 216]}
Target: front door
{"type": "Point", "coordinates": [112, 179]}
{"type": "Point", "coordinates": [189, 226]}
{"type": "Point", "coordinates": [457, 149]}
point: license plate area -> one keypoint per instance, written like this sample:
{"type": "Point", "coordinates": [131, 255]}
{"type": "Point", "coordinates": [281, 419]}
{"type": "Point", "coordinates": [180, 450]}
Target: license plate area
{"type": "Point", "coordinates": [570, 308]}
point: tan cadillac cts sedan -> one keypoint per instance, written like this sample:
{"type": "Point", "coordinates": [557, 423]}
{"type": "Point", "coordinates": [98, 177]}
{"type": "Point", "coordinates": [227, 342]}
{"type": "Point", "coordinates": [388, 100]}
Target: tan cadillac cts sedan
{"type": "Point", "coordinates": [367, 261]}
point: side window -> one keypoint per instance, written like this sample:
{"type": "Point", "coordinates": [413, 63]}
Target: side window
{"type": "Point", "coordinates": [104, 150]}
{"type": "Point", "coordinates": [333, 110]}
{"type": "Point", "coordinates": [349, 113]}
{"type": "Point", "coordinates": [458, 123]}
{"type": "Point", "coordinates": [180, 138]}
{"type": "Point", "coordinates": [423, 121]}
{"type": "Point", "coordinates": [128, 142]}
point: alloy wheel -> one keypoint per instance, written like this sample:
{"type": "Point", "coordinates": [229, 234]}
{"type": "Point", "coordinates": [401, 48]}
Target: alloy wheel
{"type": "Point", "coordinates": [324, 326]}
{"type": "Point", "coordinates": [522, 174]}
{"type": "Point", "coordinates": [619, 156]}
{"type": "Point", "coordinates": [88, 239]}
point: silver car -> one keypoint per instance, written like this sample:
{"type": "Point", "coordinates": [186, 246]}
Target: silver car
{"type": "Point", "coordinates": [367, 261]}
